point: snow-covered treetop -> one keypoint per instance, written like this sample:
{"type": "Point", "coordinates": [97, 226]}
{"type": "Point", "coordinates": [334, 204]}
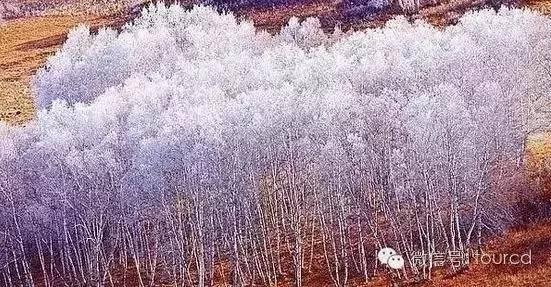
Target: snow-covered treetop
{"type": "Point", "coordinates": [186, 86]}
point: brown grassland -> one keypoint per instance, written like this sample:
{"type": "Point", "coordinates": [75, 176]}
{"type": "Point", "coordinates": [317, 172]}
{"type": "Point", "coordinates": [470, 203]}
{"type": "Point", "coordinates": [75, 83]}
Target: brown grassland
{"type": "Point", "coordinates": [25, 44]}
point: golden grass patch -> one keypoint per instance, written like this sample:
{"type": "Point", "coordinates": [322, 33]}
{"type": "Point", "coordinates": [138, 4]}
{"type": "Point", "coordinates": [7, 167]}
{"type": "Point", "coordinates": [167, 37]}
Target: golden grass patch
{"type": "Point", "coordinates": [16, 106]}
{"type": "Point", "coordinates": [25, 44]}
{"type": "Point", "coordinates": [543, 6]}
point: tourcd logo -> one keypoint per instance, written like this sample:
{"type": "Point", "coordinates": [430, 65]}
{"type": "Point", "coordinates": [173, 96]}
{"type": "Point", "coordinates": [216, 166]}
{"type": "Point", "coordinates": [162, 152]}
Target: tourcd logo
{"type": "Point", "coordinates": [388, 256]}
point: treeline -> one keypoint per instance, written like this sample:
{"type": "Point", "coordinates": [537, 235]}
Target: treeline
{"type": "Point", "coordinates": [190, 150]}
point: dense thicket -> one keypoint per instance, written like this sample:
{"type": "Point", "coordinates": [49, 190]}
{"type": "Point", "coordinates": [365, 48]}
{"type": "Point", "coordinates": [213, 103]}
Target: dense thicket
{"type": "Point", "coordinates": [190, 149]}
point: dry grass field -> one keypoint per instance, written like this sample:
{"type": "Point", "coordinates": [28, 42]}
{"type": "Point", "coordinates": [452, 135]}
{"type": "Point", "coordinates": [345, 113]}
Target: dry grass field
{"type": "Point", "coordinates": [25, 44]}
{"type": "Point", "coordinates": [536, 238]}
{"type": "Point", "coordinates": [37, 29]}
{"type": "Point", "coordinates": [544, 6]}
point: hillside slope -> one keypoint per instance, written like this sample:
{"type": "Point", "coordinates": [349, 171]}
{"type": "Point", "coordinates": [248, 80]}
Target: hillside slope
{"type": "Point", "coordinates": [27, 41]}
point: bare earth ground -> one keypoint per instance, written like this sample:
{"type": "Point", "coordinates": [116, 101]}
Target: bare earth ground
{"type": "Point", "coordinates": [26, 42]}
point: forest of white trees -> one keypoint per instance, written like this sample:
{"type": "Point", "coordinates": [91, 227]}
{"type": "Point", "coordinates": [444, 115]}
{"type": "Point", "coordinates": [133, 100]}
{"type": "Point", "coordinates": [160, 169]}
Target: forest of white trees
{"type": "Point", "coordinates": [190, 149]}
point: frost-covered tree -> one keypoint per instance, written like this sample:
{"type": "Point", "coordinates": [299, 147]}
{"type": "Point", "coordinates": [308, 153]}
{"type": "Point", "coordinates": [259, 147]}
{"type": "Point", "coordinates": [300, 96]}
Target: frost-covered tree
{"type": "Point", "coordinates": [190, 149]}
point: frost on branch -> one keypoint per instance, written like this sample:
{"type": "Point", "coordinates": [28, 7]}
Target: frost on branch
{"type": "Point", "coordinates": [211, 136]}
